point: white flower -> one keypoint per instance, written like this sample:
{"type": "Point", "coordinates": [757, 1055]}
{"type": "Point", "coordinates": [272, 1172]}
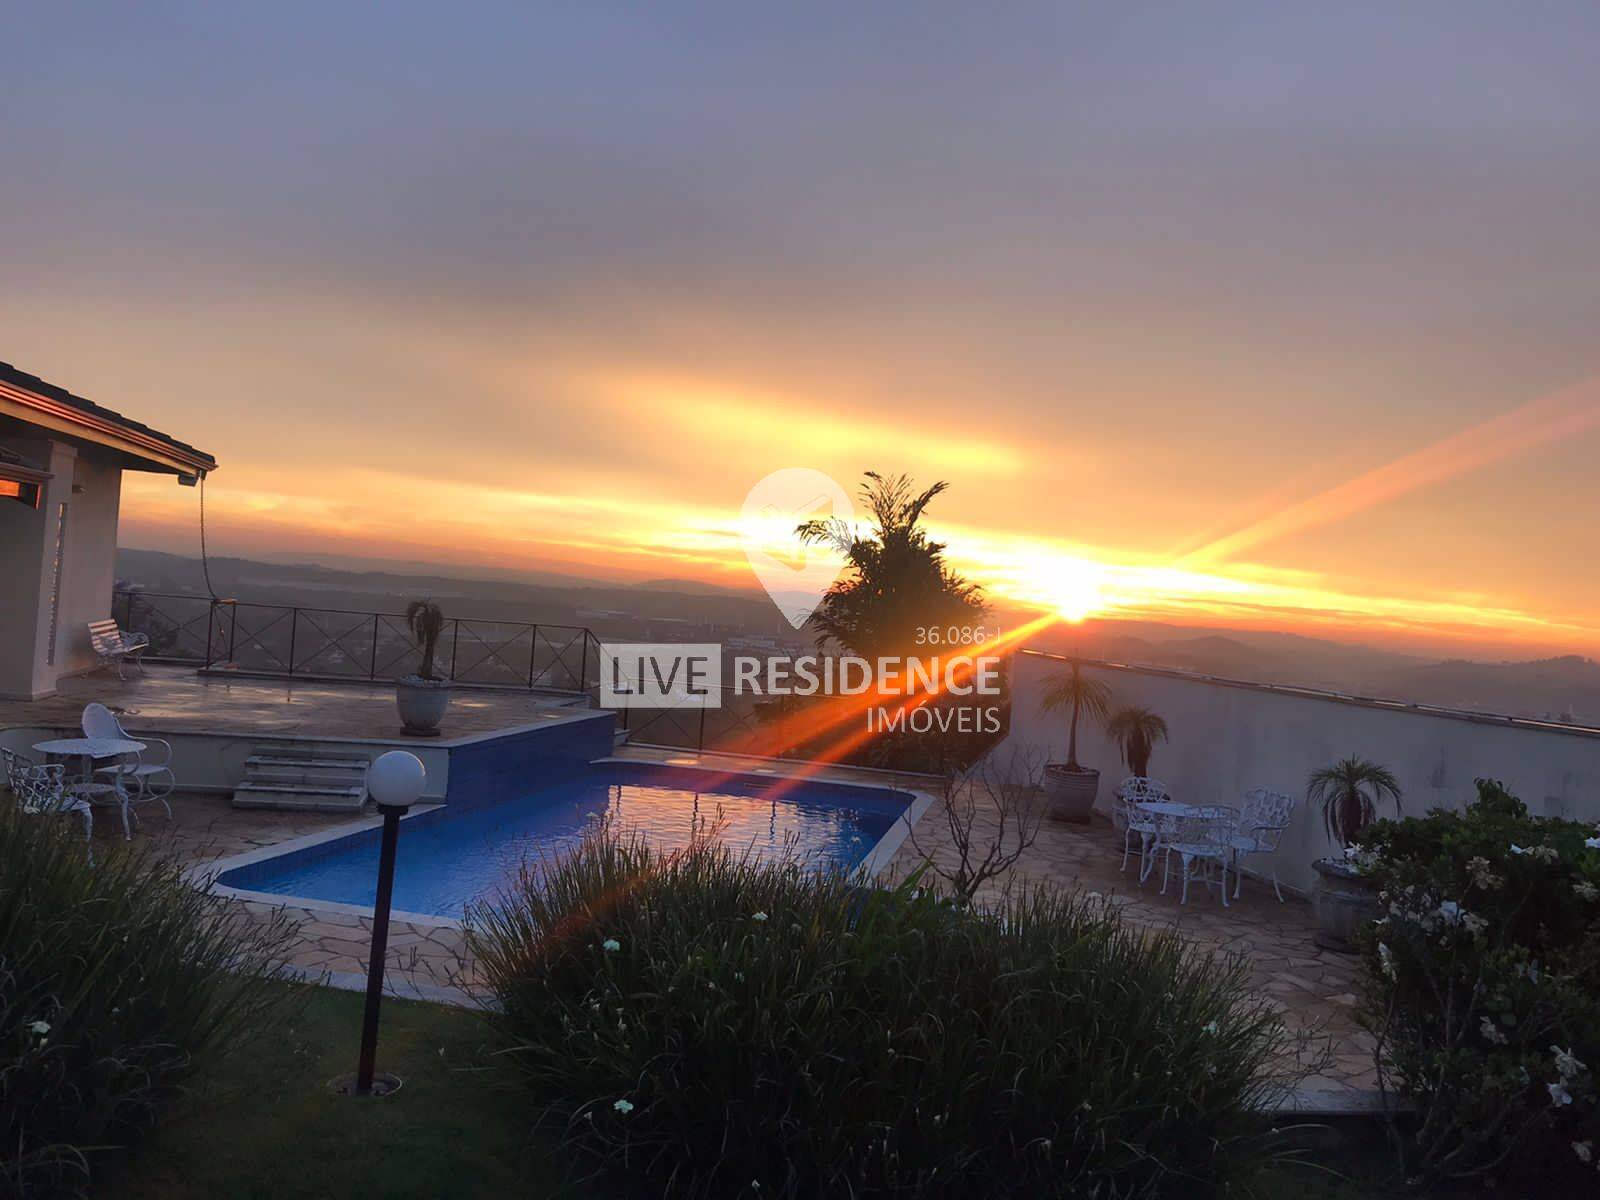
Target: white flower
{"type": "Point", "coordinates": [1482, 876]}
{"type": "Point", "coordinates": [610, 945]}
{"type": "Point", "coordinates": [1516, 849]}
{"type": "Point", "coordinates": [1586, 890]}
{"type": "Point", "coordinates": [1386, 959]}
{"type": "Point", "coordinates": [1474, 924]}
{"type": "Point", "coordinates": [1491, 1032]}
{"type": "Point", "coordinates": [39, 1028]}
{"type": "Point", "coordinates": [1566, 1065]}
{"type": "Point", "coordinates": [623, 1107]}
{"type": "Point", "coordinates": [1584, 1150]}
{"type": "Point", "coordinates": [760, 916]}
{"type": "Point", "coordinates": [1451, 912]}
{"type": "Point", "coordinates": [1559, 1095]}
{"type": "Point", "coordinates": [1592, 843]}
{"type": "Point", "coordinates": [1211, 1026]}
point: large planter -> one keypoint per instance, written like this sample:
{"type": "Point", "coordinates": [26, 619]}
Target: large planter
{"type": "Point", "coordinates": [1346, 902]}
{"type": "Point", "coordinates": [422, 703]}
{"type": "Point", "coordinates": [1071, 791]}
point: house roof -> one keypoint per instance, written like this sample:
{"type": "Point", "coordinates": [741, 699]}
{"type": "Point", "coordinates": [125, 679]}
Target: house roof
{"type": "Point", "coordinates": [34, 400]}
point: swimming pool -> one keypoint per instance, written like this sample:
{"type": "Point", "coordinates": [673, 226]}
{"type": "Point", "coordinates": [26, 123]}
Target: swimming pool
{"type": "Point", "coordinates": [469, 849]}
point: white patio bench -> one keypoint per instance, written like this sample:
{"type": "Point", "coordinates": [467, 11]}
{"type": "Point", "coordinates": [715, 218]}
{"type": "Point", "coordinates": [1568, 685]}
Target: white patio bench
{"type": "Point", "coordinates": [114, 646]}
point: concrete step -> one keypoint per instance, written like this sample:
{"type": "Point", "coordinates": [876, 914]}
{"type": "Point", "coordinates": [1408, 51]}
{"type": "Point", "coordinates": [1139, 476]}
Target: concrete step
{"type": "Point", "coordinates": [306, 760]}
{"type": "Point", "coordinates": [302, 797]}
{"type": "Point", "coordinates": [263, 768]}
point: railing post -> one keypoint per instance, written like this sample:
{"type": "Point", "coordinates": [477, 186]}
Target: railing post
{"type": "Point", "coordinates": [583, 668]}
{"type": "Point", "coordinates": [372, 671]}
{"type": "Point", "coordinates": [211, 625]}
{"type": "Point", "coordinates": [533, 655]}
{"type": "Point", "coordinates": [233, 636]}
{"type": "Point", "coordinates": [455, 645]}
{"type": "Point", "coordinates": [294, 628]}
{"type": "Point", "coordinates": [700, 739]}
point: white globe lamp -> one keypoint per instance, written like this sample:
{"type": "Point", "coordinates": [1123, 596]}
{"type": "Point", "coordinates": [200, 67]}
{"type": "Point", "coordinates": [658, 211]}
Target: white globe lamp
{"type": "Point", "coordinates": [396, 779]}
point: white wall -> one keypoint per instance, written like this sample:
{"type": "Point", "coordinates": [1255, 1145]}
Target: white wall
{"type": "Point", "coordinates": [1229, 738]}
{"type": "Point", "coordinates": [27, 567]}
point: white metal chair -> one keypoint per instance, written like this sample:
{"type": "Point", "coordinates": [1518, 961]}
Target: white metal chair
{"type": "Point", "coordinates": [154, 781]}
{"type": "Point", "coordinates": [1201, 837]}
{"type": "Point", "coordinates": [1130, 821]}
{"type": "Point", "coordinates": [43, 790]}
{"type": "Point", "coordinates": [113, 646]}
{"type": "Point", "coordinates": [1262, 820]}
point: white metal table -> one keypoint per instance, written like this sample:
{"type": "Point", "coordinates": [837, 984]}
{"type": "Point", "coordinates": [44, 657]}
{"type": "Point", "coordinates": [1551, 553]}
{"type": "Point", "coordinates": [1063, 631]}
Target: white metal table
{"type": "Point", "coordinates": [87, 750]}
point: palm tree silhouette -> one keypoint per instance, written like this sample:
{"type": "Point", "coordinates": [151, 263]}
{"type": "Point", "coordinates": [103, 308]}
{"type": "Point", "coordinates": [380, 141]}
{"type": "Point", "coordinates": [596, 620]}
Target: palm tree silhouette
{"type": "Point", "coordinates": [1074, 690]}
{"type": "Point", "coordinates": [1349, 793]}
{"type": "Point", "coordinates": [1138, 730]}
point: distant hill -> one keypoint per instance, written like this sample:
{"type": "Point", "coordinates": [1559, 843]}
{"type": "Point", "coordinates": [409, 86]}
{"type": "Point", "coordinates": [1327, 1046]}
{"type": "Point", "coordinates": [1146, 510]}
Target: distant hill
{"type": "Point", "coordinates": [1563, 688]}
{"type": "Point", "coordinates": [611, 609]}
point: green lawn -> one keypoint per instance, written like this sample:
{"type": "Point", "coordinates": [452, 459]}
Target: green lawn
{"type": "Point", "coordinates": [262, 1123]}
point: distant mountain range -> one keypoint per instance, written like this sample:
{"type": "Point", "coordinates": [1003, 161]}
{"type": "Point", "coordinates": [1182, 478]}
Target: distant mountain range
{"type": "Point", "coordinates": [1562, 688]}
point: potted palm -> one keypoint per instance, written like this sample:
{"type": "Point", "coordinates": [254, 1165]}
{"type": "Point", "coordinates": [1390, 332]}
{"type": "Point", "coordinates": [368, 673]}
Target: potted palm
{"type": "Point", "coordinates": [1349, 793]}
{"type": "Point", "coordinates": [1070, 786]}
{"type": "Point", "coordinates": [1137, 730]}
{"type": "Point", "coordinates": [423, 697]}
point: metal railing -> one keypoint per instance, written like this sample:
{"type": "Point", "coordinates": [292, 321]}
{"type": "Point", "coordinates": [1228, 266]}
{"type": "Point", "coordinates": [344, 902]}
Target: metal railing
{"type": "Point", "coordinates": [298, 641]}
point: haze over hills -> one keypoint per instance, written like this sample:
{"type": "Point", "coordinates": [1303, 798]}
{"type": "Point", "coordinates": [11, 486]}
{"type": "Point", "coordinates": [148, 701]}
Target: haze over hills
{"type": "Point", "coordinates": [1561, 688]}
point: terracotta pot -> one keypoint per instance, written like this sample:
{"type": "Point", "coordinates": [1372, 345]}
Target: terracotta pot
{"type": "Point", "coordinates": [1346, 903]}
{"type": "Point", "coordinates": [422, 703]}
{"type": "Point", "coordinates": [1071, 791]}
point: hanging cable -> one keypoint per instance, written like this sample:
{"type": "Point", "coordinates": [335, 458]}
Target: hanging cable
{"type": "Point", "coordinates": [205, 561]}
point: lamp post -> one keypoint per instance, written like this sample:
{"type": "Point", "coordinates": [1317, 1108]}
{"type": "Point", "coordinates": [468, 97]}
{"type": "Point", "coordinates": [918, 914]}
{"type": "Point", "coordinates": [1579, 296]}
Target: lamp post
{"type": "Point", "coordinates": [396, 780]}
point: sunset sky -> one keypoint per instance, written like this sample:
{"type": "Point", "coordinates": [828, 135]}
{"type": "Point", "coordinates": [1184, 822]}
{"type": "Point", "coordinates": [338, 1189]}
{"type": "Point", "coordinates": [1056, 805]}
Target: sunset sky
{"type": "Point", "coordinates": [1285, 315]}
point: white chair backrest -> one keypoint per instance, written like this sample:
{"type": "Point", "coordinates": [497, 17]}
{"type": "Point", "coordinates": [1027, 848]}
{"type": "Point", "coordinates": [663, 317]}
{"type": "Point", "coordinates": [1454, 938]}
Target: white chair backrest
{"type": "Point", "coordinates": [1265, 809]}
{"type": "Point", "coordinates": [105, 636]}
{"type": "Point", "coordinates": [40, 789]}
{"type": "Point", "coordinates": [1137, 789]}
{"type": "Point", "coordinates": [100, 722]}
{"type": "Point", "coordinates": [14, 765]}
{"type": "Point", "coordinates": [1207, 824]}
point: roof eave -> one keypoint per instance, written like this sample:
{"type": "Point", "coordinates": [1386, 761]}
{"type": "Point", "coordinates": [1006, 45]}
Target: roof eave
{"type": "Point", "coordinates": [52, 414]}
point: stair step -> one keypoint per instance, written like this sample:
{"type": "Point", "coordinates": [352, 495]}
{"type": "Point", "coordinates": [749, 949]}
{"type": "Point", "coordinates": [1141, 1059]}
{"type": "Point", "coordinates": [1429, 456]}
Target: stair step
{"type": "Point", "coordinates": [301, 760]}
{"type": "Point", "coordinates": [311, 777]}
{"type": "Point", "coordinates": [299, 796]}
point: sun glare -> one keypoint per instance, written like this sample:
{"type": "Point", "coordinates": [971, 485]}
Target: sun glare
{"type": "Point", "coordinates": [1071, 587]}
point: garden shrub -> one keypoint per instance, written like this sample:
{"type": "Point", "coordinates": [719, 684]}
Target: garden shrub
{"type": "Point", "coordinates": [719, 1027]}
{"type": "Point", "coordinates": [114, 978]}
{"type": "Point", "coordinates": [1481, 984]}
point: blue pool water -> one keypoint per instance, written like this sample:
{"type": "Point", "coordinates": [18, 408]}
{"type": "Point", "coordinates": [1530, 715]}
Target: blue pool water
{"type": "Point", "coordinates": [472, 848]}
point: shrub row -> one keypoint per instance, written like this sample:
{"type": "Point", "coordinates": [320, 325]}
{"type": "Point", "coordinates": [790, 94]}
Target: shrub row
{"type": "Point", "coordinates": [719, 1027]}
{"type": "Point", "coordinates": [114, 978]}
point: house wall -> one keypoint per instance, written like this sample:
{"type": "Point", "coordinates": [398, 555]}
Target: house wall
{"type": "Point", "coordinates": [1229, 738]}
{"type": "Point", "coordinates": [28, 576]}
{"type": "Point", "coordinates": [91, 559]}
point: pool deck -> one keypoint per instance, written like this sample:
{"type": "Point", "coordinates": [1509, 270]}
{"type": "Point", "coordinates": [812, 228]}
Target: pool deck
{"type": "Point", "coordinates": [1316, 990]}
{"type": "Point", "coordinates": [179, 699]}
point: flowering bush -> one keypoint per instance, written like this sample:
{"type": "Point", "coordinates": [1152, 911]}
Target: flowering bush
{"type": "Point", "coordinates": [1481, 982]}
{"type": "Point", "coordinates": [720, 1028]}
{"type": "Point", "coordinates": [113, 979]}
